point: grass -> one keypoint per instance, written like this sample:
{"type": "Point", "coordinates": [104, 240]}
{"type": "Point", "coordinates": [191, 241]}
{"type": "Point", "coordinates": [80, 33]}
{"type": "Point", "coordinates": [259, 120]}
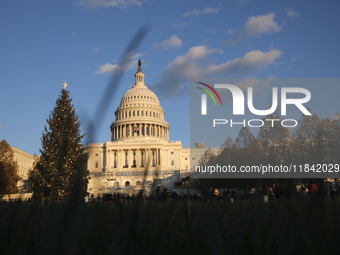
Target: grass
{"type": "Point", "coordinates": [287, 227]}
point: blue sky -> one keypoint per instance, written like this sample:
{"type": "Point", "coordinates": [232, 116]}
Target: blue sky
{"type": "Point", "coordinates": [44, 43]}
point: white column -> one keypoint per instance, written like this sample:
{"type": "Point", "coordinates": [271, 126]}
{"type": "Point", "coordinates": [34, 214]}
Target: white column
{"type": "Point", "coordinates": [156, 157]}
{"type": "Point", "coordinates": [109, 160]}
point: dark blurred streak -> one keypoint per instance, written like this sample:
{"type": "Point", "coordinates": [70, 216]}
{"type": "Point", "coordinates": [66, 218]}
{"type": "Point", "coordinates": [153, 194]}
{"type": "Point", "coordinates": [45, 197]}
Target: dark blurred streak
{"type": "Point", "coordinates": [65, 228]}
{"type": "Point", "coordinates": [112, 86]}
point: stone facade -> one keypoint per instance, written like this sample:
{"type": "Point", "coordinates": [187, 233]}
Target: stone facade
{"type": "Point", "coordinates": [25, 162]}
{"type": "Point", "coordinates": [139, 153]}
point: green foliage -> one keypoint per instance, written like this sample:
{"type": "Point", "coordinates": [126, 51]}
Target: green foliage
{"type": "Point", "coordinates": [62, 161]}
{"type": "Point", "coordinates": [291, 227]}
{"type": "Point", "coordinates": [8, 170]}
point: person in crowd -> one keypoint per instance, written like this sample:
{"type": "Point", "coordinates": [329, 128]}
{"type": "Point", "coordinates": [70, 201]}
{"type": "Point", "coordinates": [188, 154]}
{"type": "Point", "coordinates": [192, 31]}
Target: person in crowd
{"type": "Point", "coordinates": [265, 194]}
{"type": "Point", "coordinates": [158, 194]}
{"type": "Point", "coordinates": [165, 195]}
{"type": "Point", "coordinates": [328, 190]}
{"type": "Point", "coordinates": [313, 189]}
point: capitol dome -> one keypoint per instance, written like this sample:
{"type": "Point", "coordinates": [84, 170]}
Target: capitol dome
{"type": "Point", "coordinates": [140, 114]}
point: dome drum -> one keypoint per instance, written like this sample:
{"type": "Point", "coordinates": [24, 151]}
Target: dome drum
{"type": "Point", "coordinates": [140, 114]}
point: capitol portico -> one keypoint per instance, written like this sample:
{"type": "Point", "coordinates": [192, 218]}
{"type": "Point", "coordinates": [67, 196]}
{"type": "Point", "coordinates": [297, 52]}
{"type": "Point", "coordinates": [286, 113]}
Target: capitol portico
{"type": "Point", "coordinates": [139, 152]}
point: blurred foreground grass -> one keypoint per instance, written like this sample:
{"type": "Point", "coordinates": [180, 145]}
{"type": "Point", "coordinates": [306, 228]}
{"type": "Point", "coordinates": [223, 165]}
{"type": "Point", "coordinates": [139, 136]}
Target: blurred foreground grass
{"type": "Point", "coordinates": [287, 227]}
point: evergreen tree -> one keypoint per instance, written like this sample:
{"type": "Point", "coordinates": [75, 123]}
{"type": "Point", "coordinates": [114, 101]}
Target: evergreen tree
{"type": "Point", "coordinates": [8, 170]}
{"type": "Point", "coordinates": [63, 160]}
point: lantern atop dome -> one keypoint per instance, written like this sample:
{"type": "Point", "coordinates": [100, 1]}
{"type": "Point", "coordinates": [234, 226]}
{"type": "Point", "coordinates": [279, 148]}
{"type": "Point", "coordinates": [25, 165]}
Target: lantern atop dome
{"type": "Point", "coordinates": [139, 76]}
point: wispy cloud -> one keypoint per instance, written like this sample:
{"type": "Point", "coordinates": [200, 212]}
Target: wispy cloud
{"type": "Point", "coordinates": [1, 125]}
{"type": "Point", "coordinates": [131, 62]}
{"type": "Point", "coordinates": [95, 49]}
{"type": "Point", "coordinates": [293, 59]}
{"type": "Point", "coordinates": [122, 4]}
{"type": "Point", "coordinates": [74, 34]}
{"type": "Point", "coordinates": [182, 24]}
{"type": "Point", "coordinates": [292, 14]}
{"type": "Point", "coordinates": [196, 12]}
{"type": "Point", "coordinates": [256, 26]}
{"type": "Point", "coordinates": [197, 62]}
{"type": "Point", "coordinates": [211, 31]}
{"type": "Point", "coordinates": [172, 42]}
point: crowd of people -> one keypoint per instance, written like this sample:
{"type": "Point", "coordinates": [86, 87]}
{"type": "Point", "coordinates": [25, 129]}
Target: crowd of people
{"type": "Point", "coordinates": [269, 193]}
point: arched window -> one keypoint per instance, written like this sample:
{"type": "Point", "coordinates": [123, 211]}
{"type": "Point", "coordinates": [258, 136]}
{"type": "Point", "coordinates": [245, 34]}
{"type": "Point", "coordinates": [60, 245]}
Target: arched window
{"type": "Point", "coordinates": [153, 114]}
{"type": "Point", "coordinates": [133, 113]}
{"type": "Point", "coordinates": [127, 184]}
{"type": "Point", "coordinates": [146, 113]}
{"type": "Point", "coordinates": [129, 113]}
{"type": "Point", "coordinates": [142, 113]}
{"type": "Point", "coordinates": [138, 183]}
{"type": "Point", "coordinates": [137, 113]}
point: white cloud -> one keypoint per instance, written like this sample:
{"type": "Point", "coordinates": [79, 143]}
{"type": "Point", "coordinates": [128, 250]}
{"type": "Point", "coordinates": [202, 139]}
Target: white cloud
{"type": "Point", "coordinates": [95, 49]}
{"type": "Point", "coordinates": [74, 34]}
{"type": "Point", "coordinates": [292, 14]}
{"type": "Point", "coordinates": [108, 3]}
{"type": "Point", "coordinates": [185, 67]}
{"type": "Point", "coordinates": [255, 27]}
{"type": "Point", "coordinates": [172, 42]}
{"type": "Point", "coordinates": [263, 24]}
{"type": "Point", "coordinates": [196, 12]}
{"type": "Point", "coordinates": [1, 125]}
{"type": "Point", "coordinates": [130, 62]}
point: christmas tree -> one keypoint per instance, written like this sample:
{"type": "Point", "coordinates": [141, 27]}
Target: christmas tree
{"type": "Point", "coordinates": [63, 159]}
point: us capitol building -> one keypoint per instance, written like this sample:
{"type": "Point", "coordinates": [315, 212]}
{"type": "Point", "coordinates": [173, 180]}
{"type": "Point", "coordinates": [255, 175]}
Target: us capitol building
{"type": "Point", "coordinates": [139, 152]}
